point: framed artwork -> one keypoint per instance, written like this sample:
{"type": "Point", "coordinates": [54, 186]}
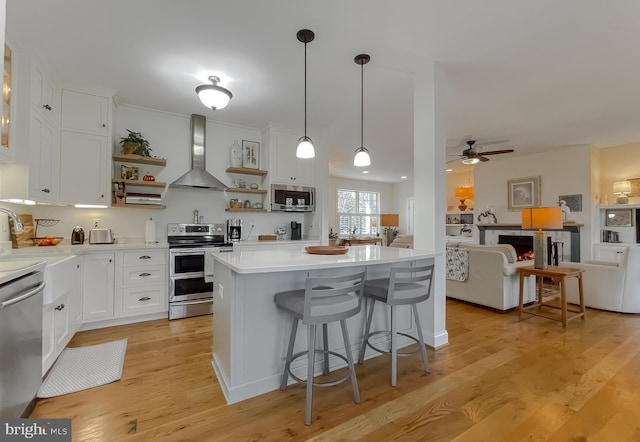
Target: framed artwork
{"type": "Point", "coordinates": [129, 173]}
{"type": "Point", "coordinates": [250, 154]}
{"type": "Point", "coordinates": [618, 218]}
{"type": "Point", "coordinates": [523, 193]}
{"type": "Point", "coordinates": [573, 202]}
{"type": "Point", "coordinates": [635, 186]}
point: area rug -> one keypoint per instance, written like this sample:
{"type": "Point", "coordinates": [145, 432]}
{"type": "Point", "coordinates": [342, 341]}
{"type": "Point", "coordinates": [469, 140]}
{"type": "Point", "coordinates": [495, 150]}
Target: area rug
{"type": "Point", "coordinates": [82, 368]}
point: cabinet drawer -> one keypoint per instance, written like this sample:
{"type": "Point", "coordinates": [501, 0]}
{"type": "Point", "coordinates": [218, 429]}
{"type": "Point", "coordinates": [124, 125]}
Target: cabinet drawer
{"type": "Point", "coordinates": [147, 299]}
{"type": "Point", "coordinates": [136, 275]}
{"type": "Point", "coordinates": [145, 257]}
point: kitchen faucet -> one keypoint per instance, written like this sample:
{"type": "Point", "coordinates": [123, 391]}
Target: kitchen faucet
{"type": "Point", "coordinates": [17, 225]}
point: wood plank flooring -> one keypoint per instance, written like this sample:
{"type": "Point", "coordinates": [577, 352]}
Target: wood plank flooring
{"type": "Point", "coordinates": [498, 380]}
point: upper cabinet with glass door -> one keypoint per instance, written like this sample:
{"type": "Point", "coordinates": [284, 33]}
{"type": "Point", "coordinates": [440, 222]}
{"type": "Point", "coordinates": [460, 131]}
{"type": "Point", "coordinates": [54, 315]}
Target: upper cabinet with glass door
{"type": "Point", "coordinates": [8, 107]}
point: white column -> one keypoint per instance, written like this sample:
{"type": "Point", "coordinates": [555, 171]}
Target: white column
{"type": "Point", "coordinates": [429, 153]}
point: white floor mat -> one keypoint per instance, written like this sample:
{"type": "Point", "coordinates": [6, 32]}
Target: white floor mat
{"type": "Point", "coordinates": [81, 368]}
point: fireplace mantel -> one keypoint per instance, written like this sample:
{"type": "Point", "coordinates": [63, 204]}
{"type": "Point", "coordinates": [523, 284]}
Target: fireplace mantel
{"type": "Point", "coordinates": [572, 228]}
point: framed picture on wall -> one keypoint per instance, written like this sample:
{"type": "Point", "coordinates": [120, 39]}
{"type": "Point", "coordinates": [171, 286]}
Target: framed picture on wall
{"type": "Point", "coordinates": [523, 193]}
{"type": "Point", "coordinates": [250, 154]}
{"type": "Point", "coordinates": [618, 218]}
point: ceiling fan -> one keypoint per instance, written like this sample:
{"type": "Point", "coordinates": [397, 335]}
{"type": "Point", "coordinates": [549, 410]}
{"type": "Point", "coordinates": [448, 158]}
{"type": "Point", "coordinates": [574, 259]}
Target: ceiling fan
{"type": "Point", "coordinates": [474, 155]}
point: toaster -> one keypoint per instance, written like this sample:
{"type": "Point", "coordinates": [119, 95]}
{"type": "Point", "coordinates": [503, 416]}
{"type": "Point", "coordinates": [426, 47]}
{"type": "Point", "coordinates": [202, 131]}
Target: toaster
{"type": "Point", "coordinates": [100, 236]}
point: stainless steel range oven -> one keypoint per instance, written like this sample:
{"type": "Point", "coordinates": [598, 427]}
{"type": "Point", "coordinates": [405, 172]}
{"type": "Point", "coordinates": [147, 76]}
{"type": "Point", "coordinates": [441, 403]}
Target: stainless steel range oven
{"type": "Point", "coordinates": [190, 292]}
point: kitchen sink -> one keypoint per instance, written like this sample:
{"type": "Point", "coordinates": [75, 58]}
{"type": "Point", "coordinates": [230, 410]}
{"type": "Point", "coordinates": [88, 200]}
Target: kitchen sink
{"type": "Point", "coordinates": [59, 273]}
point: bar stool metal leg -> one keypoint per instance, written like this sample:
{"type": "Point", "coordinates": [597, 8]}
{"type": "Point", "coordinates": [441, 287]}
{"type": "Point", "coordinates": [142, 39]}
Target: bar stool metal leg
{"type": "Point", "coordinates": [367, 330]}
{"type": "Point", "coordinates": [287, 363]}
{"type": "Point", "coordinates": [423, 349]}
{"type": "Point", "coordinates": [311, 345]}
{"type": "Point", "coordinates": [325, 350]}
{"type": "Point", "coordinates": [352, 370]}
{"type": "Point", "coordinates": [394, 350]}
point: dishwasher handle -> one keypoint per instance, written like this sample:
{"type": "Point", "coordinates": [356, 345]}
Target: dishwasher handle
{"type": "Point", "coordinates": [22, 297]}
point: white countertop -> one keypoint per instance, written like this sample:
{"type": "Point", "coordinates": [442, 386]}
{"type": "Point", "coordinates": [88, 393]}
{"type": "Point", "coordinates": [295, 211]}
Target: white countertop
{"type": "Point", "coordinates": [291, 259]}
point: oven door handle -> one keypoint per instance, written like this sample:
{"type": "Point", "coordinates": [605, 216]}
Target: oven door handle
{"type": "Point", "coordinates": [195, 301]}
{"type": "Point", "coordinates": [190, 253]}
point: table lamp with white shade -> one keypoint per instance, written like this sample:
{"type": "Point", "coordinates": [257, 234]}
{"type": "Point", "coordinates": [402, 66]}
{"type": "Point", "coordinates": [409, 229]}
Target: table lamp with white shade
{"type": "Point", "coordinates": [389, 220]}
{"type": "Point", "coordinates": [622, 188]}
{"type": "Point", "coordinates": [541, 218]}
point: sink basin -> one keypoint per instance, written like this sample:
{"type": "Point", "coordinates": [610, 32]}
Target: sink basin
{"type": "Point", "coordinates": [59, 273]}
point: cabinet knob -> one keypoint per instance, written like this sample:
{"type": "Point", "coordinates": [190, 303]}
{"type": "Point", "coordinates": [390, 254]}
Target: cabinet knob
{"type": "Point", "coordinates": [60, 307]}
{"type": "Point", "coordinates": [145, 257]}
{"type": "Point", "coordinates": [110, 260]}
{"type": "Point", "coordinates": [145, 274]}
{"type": "Point", "coordinates": [46, 107]}
{"type": "Point", "coordinates": [45, 190]}
{"type": "Point", "coordinates": [144, 298]}
{"type": "Point", "coordinates": [104, 125]}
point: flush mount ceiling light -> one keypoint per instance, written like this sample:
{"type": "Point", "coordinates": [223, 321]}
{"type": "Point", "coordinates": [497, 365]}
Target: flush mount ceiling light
{"type": "Point", "coordinates": [362, 158]}
{"type": "Point", "coordinates": [213, 96]}
{"type": "Point", "coordinates": [473, 160]}
{"type": "Point", "coordinates": [305, 145]}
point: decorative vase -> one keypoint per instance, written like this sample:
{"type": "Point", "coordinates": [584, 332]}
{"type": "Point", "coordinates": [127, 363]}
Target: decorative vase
{"type": "Point", "coordinates": [235, 154]}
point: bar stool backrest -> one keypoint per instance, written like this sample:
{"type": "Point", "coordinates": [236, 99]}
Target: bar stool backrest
{"type": "Point", "coordinates": [333, 298]}
{"type": "Point", "coordinates": [410, 285]}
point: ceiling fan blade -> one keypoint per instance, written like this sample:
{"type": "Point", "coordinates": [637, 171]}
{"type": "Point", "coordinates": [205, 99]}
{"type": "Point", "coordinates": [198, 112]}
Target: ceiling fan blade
{"type": "Point", "coordinates": [481, 158]}
{"type": "Point", "coordinates": [489, 143]}
{"type": "Point", "coordinates": [455, 159]}
{"type": "Point", "coordinates": [496, 152]}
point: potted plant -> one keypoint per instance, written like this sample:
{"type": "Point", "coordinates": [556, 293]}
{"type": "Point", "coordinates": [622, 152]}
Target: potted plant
{"type": "Point", "coordinates": [136, 144]}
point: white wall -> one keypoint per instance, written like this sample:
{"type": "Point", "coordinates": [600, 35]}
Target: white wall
{"type": "Point", "coordinates": [402, 193]}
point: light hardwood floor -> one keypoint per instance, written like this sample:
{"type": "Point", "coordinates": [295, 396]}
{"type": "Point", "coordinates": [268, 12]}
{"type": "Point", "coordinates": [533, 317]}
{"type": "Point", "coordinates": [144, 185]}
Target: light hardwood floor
{"type": "Point", "coordinates": [497, 380]}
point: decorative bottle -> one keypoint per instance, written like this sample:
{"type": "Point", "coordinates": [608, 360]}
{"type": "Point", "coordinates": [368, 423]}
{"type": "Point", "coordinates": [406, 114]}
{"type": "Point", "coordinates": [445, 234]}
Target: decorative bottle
{"type": "Point", "coordinates": [235, 153]}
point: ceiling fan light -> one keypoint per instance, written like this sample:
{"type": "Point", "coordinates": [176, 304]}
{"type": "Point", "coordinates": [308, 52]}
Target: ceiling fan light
{"type": "Point", "coordinates": [362, 158]}
{"type": "Point", "coordinates": [471, 161]}
{"type": "Point", "coordinates": [305, 148]}
{"type": "Point", "coordinates": [213, 96]}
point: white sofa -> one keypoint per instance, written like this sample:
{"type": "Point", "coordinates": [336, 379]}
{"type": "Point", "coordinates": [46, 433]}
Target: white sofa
{"type": "Point", "coordinates": [609, 285]}
{"type": "Point", "coordinates": [492, 280]}
{"type": "Point", "coordinates": [402, 242]}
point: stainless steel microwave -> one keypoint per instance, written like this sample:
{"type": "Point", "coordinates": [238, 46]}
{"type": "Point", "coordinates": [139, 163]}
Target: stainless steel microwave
{"type": "Point", "coordinates": [289, 198]}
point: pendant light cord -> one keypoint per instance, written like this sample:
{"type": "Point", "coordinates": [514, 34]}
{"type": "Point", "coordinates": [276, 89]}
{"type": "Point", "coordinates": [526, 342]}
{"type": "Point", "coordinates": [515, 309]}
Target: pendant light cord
{"type": "Point", "coordinates": [305, 90]}
{"type": "Point", "coordinates": [362, 105]}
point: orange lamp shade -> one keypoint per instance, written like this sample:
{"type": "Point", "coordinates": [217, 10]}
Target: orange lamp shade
{"type": "Point", "coordinates": [464, 193]}
{"type": "Point", "coordinates": [389, 219]}
{"type": "Point", "coordinates": [542, 218]}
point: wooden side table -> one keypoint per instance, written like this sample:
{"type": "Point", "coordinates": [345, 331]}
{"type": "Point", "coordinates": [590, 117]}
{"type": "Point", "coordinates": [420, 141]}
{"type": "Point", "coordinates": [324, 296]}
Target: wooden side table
{"type": "Point", "coordinates": [559, 274]}
{"type": "Point", "coordinates": [360, 242]}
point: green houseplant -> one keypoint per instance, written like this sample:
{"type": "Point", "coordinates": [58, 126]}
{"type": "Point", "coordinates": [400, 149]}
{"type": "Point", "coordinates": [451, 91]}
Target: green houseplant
{"type": "Point", "coordinates": [135, 143]}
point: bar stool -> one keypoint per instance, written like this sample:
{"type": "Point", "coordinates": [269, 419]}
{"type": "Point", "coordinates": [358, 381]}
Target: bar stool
{"type": "Point", "coordinates": [323, 300]}
{"type": "Point", "coordinates": [406, 285]}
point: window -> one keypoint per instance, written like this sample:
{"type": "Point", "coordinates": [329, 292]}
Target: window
{"type": "Point", "coordinates": [358, 212]}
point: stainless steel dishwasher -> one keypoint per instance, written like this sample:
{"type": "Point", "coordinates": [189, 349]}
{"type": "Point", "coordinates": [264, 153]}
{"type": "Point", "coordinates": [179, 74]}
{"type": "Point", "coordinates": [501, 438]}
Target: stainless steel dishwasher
{"type": "Point", "coordinates": [21, 284]}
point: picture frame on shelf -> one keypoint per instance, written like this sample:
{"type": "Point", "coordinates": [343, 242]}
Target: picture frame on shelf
{"type": "Point", "coordinates": [523, 193]}
{"type": "Point", "coordinates": [635, 186]}
{"type": "Point", "coordinates": [250, 154]}
{"type": "Point", "coordinates": [573, 202]}
{"type": "Point", "coordinates": [129, 172]}
{"type": "Point", "coordinates": [618, 218]}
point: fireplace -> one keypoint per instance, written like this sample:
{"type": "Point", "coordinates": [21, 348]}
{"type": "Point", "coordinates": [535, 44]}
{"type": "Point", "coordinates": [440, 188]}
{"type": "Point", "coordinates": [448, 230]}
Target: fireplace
{"type": "Point", "coordinates": [524, 246]}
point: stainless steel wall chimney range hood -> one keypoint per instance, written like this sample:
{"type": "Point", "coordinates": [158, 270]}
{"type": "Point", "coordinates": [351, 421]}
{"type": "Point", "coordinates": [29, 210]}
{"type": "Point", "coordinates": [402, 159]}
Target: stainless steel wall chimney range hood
{"type": "Point", "coordinates": [198, 177]}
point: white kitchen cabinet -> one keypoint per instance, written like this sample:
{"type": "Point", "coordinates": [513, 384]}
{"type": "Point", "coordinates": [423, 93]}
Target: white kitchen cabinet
{"type": "Point", "coordinates": [144, 279]}
{"type": "Point", "coordinates": [607, 252]}
{"type": "Point", "coordinates": [98, 288]}
{"type": "Point", "coordinates": [44, 160]}
{"type": "Point", "coordinates": [286, 168]}
{"type": "Point", "coordinates": [44, 94]}
{"type": "Point", "coordinates": [84, 163]}
{"type": "Point", "coordinates": [63, 316]}
{"type": "Point", "coordinates": [85, 112]}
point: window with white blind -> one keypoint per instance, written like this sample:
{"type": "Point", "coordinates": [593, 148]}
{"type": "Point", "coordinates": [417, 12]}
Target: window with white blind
{"type": "Point", "coordinates": [358, 212]}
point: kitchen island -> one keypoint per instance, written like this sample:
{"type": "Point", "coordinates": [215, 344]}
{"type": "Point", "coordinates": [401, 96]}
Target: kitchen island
{"type": "Point", "coordinates": [250, 334]}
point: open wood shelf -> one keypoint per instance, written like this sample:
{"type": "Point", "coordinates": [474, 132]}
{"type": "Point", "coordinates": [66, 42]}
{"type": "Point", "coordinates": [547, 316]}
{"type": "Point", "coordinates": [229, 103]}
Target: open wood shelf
{"type": "Point", "coordinates": [246, 210]}
{"type": "Point", "coordinates": [140, 183]}
{"type": "Point", "coordinates": [141, 206]}
{"type": "Point", "coordinates": [246, 171]}
{"type": "Point", "coordinates": [139, 159]}
{"type": "Point", "coordinates": [247, 190]}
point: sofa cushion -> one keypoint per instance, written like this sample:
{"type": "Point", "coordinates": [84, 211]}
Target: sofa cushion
{"type": "Point", "coordinates": [507, 249]}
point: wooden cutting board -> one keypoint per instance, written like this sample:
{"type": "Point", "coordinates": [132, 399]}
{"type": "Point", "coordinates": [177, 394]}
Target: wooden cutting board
{"type": "Point", "coordinates": [267, 237]}
{"type": "Point", "coordinates": [326, 250]}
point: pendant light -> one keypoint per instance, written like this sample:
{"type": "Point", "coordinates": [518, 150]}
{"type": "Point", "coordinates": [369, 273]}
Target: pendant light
{"type": "Point", "coordinates": [214, 96]}
{"type": "Point", "coordinates": [362, 158]}
{"type": "Point", "coordinates": [305, 145]}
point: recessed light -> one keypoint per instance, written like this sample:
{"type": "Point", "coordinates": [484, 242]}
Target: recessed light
{"type": "Point", "coordinates": [365, 171]}
{"type": "Point", "coordinates": [403, 177]}
{"type": "Point", "coordinates": [449, 170]}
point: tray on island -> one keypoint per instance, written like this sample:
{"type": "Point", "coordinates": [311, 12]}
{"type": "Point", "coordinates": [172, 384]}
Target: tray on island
{"type": "Point", "coordinates": [326, 250]}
